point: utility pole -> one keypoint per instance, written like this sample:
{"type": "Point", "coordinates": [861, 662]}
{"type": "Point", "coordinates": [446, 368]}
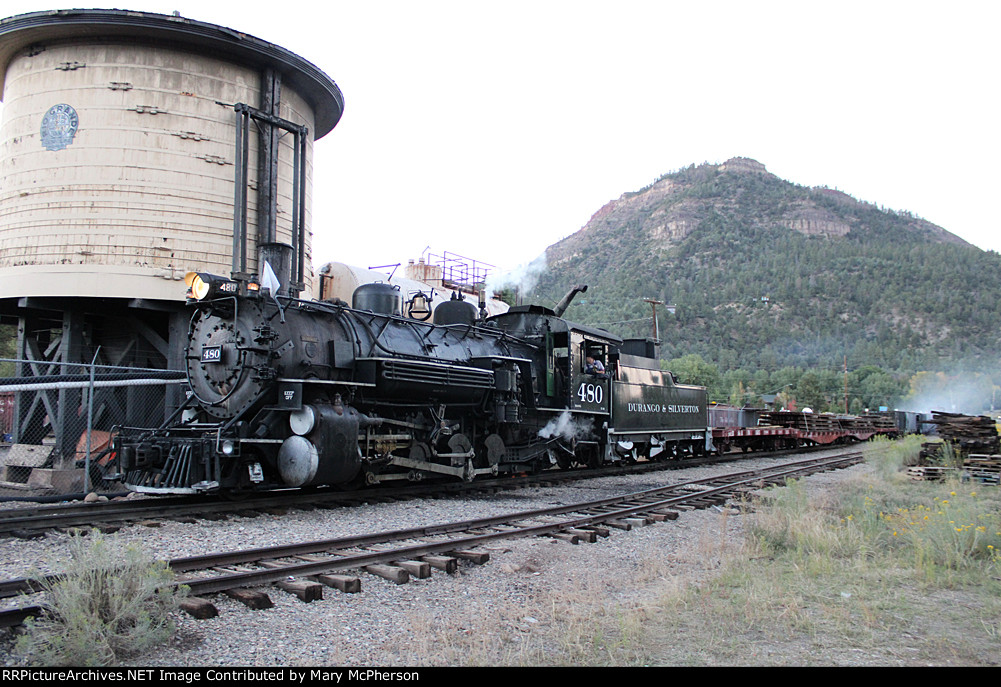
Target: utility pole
{"type": "Point", "coordinates": [846, 385]}
{"type": "Point", "coordinates": [656, 331]}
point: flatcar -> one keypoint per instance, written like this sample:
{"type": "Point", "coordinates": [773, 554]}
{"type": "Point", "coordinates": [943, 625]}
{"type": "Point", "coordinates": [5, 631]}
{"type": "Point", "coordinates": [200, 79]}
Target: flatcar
{"type": "Point", "coordinates": [757, 429]}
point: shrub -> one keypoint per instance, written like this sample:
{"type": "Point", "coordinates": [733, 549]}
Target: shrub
{"type": "Point", "coordinates": [959, 529]}
{"type": "Point", "coordinates": [110, 603]}
{"type": "Point", "coordinates": [888, 458]}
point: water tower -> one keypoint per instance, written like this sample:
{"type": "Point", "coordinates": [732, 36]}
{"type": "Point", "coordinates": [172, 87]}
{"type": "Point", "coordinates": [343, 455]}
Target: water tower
{"type": "Point", "coordinates": [136, 147]}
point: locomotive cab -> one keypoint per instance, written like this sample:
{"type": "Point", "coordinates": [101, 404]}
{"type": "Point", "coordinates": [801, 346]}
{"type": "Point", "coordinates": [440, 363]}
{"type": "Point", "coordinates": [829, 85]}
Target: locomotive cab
{"type": "Point", "coordinates": [590, 378]}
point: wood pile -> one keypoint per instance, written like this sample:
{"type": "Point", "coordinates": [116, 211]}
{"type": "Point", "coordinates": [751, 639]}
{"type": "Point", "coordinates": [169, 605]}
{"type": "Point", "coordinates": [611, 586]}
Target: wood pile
{"type": "Point", "coordinates": [977, 467]}
{"type": "Point", "coordinates": [919, 473]}
{"type": "Point", "coordinates": [807, 422]}
{"type": "Point", "coordinates": [827, 422]}
{"type": "Point", "coordinates": [874, 420]}
{"type": "Point", "coordinates": [966, 432]}
{"type": "Point", "coordinates": [932, 453]}
{"type": "Point", "coordinates": [986, 469]}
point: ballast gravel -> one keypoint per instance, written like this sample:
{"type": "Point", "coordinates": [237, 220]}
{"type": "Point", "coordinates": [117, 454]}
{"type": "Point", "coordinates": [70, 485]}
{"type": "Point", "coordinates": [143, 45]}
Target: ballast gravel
{"type": "Point", "coordinates": [526, 584]}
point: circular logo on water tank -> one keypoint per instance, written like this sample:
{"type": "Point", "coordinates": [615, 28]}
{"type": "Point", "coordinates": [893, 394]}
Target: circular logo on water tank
{"type": "Point", "coordinates": [59, 126]}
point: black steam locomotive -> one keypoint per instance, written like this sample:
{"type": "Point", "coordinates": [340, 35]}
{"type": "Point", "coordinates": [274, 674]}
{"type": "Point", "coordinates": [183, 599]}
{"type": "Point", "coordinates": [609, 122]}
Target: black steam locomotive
{"type": "Point", "coordinates": [292, 393]}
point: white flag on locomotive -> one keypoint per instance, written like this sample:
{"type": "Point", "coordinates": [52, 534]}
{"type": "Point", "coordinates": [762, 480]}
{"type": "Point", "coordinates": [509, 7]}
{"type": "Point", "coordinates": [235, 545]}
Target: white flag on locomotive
{"type": "Point", "coordinates": [269, 280]}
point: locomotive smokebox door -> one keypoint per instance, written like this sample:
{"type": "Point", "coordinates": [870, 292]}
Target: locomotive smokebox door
{"type": "Point", "coordinates": [290, 395]}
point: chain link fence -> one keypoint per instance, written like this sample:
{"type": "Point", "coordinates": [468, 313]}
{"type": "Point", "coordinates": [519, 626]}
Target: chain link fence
{"type": "Point", "coordinates": [56, 422]}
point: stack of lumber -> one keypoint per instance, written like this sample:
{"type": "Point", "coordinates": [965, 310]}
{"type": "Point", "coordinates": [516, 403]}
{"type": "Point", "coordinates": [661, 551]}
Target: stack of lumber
{"type": "Point", "coordinates": [967, 432]}
{"type": "Point", "coordinates": [920, 473]}
{"type": "Point", "coordinates": [977, 467]}
{"type": "Point", "coordinates": [807, 422]}
{"type": "Point", "coordinates": [932, 453]}
{"type": "Point", "coordinates": [882, 421]}
{"type": "Point", "coordinates": [985, 469]}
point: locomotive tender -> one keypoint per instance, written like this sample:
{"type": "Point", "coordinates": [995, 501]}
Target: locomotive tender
{"type": "Point", "coordinates": [293, 393]}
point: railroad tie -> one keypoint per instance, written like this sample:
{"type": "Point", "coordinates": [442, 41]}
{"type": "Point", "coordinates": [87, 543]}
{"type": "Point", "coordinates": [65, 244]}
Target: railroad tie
{"type": "Point", "coordinates": [445, 563]}
{"type": "Point", "coordinates": [27, 534]}
{"type": "Point", "coordinates": [619, 524]}
{"type": "Point", "coordinates": [231, 569]}
{"type": "Point", "coordinates": [477, 557]}
{"type": "Point", "coordinates": [564, 536]}
{"type": "Point", "coordinates": [251, 598]}
{"type": "Point", "coordinates": [207, 515]}
{"type": "Point", "coordinates": [660, 517]}
{"type": "Point", "coordinates": [344, 583]}
{"type": "Point", "coordinates": [199, 608]}
{"type": "Point", "coordinates": [389, 572]}
{"type": "Point", "coordinates": [419, 569]}
{"type": "Point", "coordinates": [306, 590]}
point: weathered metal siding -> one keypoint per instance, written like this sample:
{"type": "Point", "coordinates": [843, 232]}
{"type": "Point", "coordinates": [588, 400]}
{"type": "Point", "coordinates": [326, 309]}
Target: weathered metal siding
{"type": "Point", "coordinates": [144, 190]}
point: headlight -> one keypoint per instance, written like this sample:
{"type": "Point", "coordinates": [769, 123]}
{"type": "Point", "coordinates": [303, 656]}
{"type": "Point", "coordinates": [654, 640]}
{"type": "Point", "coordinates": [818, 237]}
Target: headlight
{"type": "Point", "coordinates": [202, 285]}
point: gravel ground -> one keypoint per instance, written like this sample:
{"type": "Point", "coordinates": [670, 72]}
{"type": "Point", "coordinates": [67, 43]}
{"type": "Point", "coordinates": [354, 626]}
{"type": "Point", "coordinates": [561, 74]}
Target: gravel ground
{"type": "Point", "coordinates": [526, 585]}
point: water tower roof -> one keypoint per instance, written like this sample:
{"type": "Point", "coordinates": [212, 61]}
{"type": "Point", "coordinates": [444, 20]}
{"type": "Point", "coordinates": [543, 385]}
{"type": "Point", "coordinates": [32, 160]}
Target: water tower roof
{"type": "Point", "coordinates": [318, 89]}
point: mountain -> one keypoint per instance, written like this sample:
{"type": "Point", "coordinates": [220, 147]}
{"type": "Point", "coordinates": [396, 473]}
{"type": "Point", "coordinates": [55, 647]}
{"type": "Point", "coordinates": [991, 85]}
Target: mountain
{"type": "Point", "coordinates": [766, 274]}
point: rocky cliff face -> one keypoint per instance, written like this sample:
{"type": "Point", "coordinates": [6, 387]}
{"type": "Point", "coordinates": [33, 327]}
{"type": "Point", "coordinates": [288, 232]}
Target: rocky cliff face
{"type": "Point", "coordinates": [743, 164]}
{"type": "Point", "coordinates": [668, 210]}
{"type": "Point", "coordinates": [813, 221]}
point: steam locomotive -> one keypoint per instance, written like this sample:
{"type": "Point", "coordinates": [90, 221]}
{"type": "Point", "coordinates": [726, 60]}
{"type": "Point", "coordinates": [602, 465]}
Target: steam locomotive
{"type": "Point", "coordinates": [293, 393]}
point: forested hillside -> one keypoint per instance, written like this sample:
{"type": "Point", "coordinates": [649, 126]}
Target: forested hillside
{"type": "Point", "coordinates": [766, 275]}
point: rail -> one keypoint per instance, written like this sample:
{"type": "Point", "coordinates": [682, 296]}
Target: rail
{"type": "Point", "coordinates": [573, 522]}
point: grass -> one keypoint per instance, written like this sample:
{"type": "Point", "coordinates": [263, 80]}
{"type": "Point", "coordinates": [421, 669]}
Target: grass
{"type": "Point", "coordinates": [877, 570]}
{"type": "Point", "coordinates": [111, 603]}
{"type": "Point", "coordinates": [881, 571]}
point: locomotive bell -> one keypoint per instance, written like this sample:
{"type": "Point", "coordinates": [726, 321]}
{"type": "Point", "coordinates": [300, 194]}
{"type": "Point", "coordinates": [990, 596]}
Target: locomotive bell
{"type": "Point", "coordinates": [419, 307]}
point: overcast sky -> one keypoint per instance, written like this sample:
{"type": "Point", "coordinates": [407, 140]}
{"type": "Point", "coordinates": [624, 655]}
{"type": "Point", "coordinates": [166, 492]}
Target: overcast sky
{"type": "Point", "coordinates": [494, 129]}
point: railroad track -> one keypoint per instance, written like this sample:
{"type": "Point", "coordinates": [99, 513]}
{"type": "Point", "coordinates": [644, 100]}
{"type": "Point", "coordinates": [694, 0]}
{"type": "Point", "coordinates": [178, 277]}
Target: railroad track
{"type": "Point", "coordinates": [34, 521]}
{"type": "Point", "coordinates": [305, 567]}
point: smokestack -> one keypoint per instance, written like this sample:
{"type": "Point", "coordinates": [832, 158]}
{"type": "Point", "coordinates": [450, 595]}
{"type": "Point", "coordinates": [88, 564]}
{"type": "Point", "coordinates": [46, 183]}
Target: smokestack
{"type": "Point", "coordinates": [279, 256]}
{"type": "Point", "coordinates": [565, 303]}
